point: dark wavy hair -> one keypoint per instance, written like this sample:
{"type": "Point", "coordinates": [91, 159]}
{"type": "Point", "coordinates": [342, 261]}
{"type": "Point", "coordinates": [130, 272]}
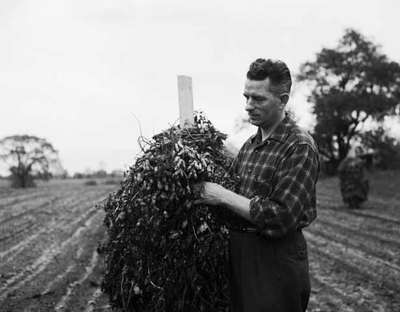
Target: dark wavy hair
{"type": "Point", "coordinates": [277, 72]}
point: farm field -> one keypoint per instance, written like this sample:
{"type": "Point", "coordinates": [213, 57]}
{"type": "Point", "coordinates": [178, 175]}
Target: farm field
{"type": "Point", "coordinates": [49, 236]}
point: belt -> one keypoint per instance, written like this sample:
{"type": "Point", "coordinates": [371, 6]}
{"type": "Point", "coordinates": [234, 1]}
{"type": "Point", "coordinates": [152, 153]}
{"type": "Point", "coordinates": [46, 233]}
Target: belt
{"type": "Point", "coordinates": [250, 229]}
{"type": "Point", "coordinates": [247, 229]}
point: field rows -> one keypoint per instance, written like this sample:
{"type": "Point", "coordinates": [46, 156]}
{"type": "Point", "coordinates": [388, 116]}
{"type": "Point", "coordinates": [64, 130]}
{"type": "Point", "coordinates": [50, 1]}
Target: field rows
{"type": "Point", "coordinates": [54, 265]}
{"type": "Point", "coordinates": [355, 254]}
{"type": "Point", "coordinates": [49, 237]}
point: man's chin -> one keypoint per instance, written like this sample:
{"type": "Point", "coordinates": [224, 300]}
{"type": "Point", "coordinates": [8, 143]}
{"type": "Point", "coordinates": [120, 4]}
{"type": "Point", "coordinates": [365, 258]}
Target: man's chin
{"type": "Point", "coordinates": [254, 122]}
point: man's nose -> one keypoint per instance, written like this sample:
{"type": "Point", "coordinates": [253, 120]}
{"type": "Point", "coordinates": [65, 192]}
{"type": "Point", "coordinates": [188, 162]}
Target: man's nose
{"type": "Point", "coordinates": [249, 105]}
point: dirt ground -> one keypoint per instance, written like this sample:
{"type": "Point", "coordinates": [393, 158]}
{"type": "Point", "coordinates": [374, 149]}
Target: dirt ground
{"type": "Point", "coordinates": [49, 237]}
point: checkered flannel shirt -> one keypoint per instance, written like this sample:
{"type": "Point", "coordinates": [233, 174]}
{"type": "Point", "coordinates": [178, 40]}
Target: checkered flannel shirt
{"type": "Point", "coordinates": [279, 177]}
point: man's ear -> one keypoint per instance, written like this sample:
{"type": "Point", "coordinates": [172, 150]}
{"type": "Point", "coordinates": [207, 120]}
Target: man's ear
{"type": "Point", "coordinates": [284, 98]}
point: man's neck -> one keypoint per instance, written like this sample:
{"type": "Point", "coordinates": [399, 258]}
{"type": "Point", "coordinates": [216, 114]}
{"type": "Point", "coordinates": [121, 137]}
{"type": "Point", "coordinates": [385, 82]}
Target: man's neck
{"type": "Point", "coordinates": [266, 132]}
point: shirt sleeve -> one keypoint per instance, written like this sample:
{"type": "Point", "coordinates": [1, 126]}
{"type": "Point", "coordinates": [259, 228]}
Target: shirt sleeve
{"type": "Point", "coordinates": [293, 197]}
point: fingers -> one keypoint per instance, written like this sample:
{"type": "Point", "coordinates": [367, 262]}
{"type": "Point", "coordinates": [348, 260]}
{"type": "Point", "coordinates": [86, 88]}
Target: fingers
{"type": "Point", "coordinates": [197, 201]}
{"type": "Point", "coordinates": [198, 189]}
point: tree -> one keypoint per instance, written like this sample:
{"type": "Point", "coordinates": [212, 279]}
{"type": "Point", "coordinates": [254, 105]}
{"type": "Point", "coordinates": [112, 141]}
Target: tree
{"type": "Point", "coordinates": [387, 148]}
{"type": "Point", "coordinates": [350, 84]}
{"type": "Point", "coordinates": [27, 157]}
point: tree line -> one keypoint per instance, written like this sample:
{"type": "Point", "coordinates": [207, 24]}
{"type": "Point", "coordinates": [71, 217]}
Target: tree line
{"type": "Point", "coordinates": [350, 84]}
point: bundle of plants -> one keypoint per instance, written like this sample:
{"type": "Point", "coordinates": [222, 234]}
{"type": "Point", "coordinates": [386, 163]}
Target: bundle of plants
{"type": "Point", "coordinates": [163, 253]}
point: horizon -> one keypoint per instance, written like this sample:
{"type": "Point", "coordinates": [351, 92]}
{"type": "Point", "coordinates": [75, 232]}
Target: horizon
{"type": "Point", "coordinates": [88, 75]}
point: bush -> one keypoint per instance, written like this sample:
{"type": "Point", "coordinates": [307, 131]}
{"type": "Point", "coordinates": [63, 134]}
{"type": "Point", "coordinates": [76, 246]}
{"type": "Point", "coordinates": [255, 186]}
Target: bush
{"type": "Point", "coordinates": [386, 148]}
{"type": "Point", "coordinates": [91, 182]}
{"type": "Point", "coordinates": [162, 253]}
{"type": "Point", "coordinates": [111, 182]}
{"type": "Point", "coordinates": [78, 175]}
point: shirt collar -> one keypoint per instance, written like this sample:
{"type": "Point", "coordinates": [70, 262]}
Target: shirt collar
{"type": "Point", "coordinates": [280, 133]}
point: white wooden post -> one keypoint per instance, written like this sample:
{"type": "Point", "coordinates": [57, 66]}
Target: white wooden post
{"type": "Point", "coordinates": [185, 94]}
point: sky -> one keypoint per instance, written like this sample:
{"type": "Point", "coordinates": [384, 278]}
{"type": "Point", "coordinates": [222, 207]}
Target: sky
{"type": "Point", "coordinates": [90, 76]}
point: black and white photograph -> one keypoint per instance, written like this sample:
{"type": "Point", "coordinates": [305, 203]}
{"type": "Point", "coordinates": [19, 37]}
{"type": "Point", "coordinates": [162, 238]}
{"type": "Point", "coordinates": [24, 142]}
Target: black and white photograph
{"type": "Point", "coordinates": [199, 156]}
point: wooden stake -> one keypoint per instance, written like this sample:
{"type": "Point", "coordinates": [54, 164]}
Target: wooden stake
{"type": "Point", "coordinates": [185, 94]}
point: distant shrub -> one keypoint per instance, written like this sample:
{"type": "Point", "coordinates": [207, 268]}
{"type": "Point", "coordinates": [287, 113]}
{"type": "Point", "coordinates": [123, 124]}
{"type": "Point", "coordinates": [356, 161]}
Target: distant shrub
{"type": "Point", "coordinates": [91, 182]}
{"type": "Point", "coordinates": [387, 148]}
{"type": "Point", "coordinates": [78, 175]}
{"type": "Point", "coordinates": [111, 182]}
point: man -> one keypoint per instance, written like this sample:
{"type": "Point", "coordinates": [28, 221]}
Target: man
{"type": "Point", "coordinates": [278, 169]}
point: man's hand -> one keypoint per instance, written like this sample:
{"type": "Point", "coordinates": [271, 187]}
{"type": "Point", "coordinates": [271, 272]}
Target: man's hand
{"type": "Point", "coordinates": [215, 194]}
{"type": "Point", "coordinates": [210, 193]}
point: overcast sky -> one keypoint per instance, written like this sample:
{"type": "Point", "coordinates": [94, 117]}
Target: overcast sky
{"type": "Point", "coordinates": [77, 72]}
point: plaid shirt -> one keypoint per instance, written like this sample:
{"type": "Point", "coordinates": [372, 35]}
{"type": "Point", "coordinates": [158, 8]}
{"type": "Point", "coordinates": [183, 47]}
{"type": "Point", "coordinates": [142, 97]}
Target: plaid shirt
{"type": "Point", "coordinates": [279, 176]}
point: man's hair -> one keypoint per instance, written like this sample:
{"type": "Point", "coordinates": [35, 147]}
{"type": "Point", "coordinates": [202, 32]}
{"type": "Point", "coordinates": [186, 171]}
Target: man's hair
{"type": "Point", "coordinates": [277, 72]}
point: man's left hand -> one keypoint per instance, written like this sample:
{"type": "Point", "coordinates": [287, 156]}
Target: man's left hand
{"type": "Point", "coordinates": [210, 194]}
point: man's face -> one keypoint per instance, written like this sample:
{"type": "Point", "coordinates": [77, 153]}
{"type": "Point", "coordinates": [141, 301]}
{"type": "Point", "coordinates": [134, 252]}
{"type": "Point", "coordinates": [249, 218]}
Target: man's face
{"type": "Point", "coordinates": [264, 107]}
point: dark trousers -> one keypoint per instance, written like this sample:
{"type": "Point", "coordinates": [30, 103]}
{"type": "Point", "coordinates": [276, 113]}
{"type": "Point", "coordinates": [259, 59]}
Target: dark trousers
{"type": "Point", "coordinates": [268, 274]}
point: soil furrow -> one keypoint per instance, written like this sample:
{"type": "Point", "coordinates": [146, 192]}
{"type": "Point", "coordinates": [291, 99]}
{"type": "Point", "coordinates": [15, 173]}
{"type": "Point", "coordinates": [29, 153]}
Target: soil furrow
{"type": "Point", "coordinates": [375, 215]}
{"type": "Point", "coordinates": [48, 234]}
{"type": "Point", "coordinates": [358, 260]}
{"type": "Point", "coordinates": [90, 306]}
{"type": "Point", "coordinates": [67, 285]}
{"type": "Point", "coordinates": [47, 199]}
{"type": "Point", "coordinates": [386, 241]}
{"type": "Point", "coordinates": [48, 287]}
{"type": "Point", "coordinates": [359, 223]}
{"type": "Point", "coordinates": [334, 291]}
{"type": "Point", "coordinates": [21, 196]}
{"type": "Point", "coordinates": [60, 306]}
{"type": "Point", "coordinates": [357, 279]}
{"type": "Point", "coordinates": [33, 194]}
{"type": "Point", "coordinates": [10, 210]}
{"type": "Point", "coordinates": [374, 209]}
{"type": "Point", "coordinates": [370, 244]}
{"type": "Point", "coordinates": [75, 206]}
{"type": "Point", "coordinates": [332, 298]}
{"type": "Point", "coordinates": [33, 209]}
{"type": "Point", "coordinates": [15, 229]}
{"type": "Point", "coordinates": [51, 228]}
{"type": "Point", "coordinates": [41, 263]}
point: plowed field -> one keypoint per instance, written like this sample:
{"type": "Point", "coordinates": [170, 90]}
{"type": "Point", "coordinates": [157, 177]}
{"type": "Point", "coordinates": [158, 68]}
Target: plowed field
{"type": "Point", "coordinates": [49, 237]}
